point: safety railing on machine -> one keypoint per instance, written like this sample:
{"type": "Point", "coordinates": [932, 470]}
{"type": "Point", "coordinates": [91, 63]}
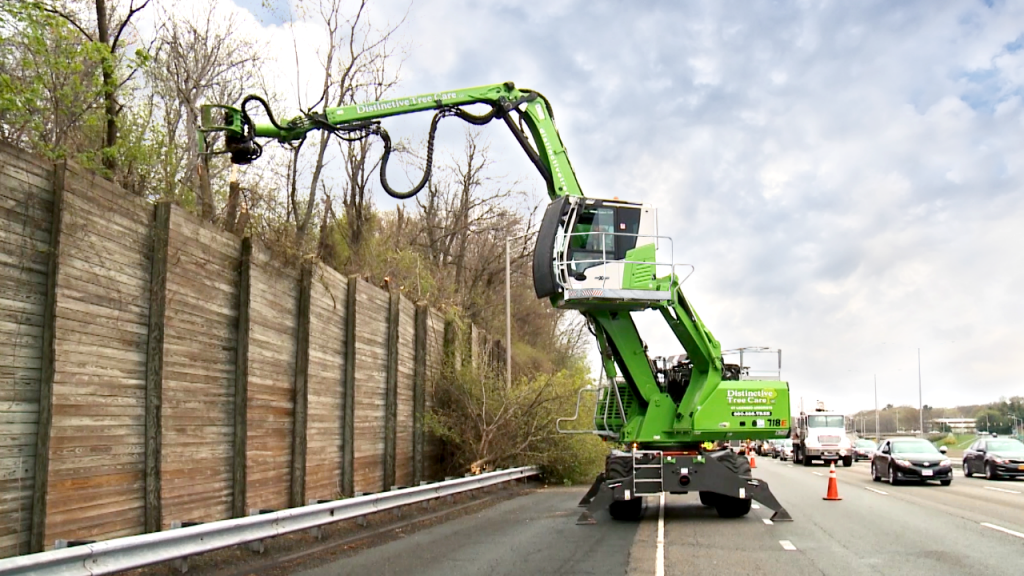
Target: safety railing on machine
{"type": "Point", "coordinates": [757, 362]}
{"type": "Point", "coordinates": [570, 268]}
{"type": "Point", "coordinates": [603, 392]}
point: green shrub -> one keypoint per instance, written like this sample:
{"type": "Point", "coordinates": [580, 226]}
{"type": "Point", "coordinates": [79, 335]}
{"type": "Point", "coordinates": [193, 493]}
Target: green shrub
{"type": "Point", "coordinates": [485, 424]}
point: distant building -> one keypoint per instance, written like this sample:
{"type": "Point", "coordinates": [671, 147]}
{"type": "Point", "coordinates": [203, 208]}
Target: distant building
{"type": "Point", "coordinates": [954, 425]}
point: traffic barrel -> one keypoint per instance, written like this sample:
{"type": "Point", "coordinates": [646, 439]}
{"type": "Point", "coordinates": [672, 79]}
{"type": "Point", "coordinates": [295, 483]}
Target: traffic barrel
{"type": "Point", "coordinates": [753, 464]}
{"type": "Point", "coordinates": [833, 486]}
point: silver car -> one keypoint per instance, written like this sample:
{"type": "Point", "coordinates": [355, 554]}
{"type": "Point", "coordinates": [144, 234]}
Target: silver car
{"type": "Point", "coordinates": [786, 450]}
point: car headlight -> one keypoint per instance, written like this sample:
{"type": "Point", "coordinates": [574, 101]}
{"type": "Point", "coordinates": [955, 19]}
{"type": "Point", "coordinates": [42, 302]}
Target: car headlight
{"type": "Point", "coordinates": [944, 463]}
{"type": "Point", "coordinates": [904, 463]}
{"type": "Point", "coordinates": [1000, 460]}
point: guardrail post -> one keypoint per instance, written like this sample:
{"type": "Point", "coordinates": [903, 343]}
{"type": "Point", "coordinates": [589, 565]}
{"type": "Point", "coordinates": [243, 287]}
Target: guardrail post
{"type": "Point", "coordinates": [298, 482]}
{"type": "Point", "coordinates": [37, 531]}
{"type": "Point", "coordinates": [348, 430]}
{"type": "Point", "coordinates": [419, 389]}
{"type": "Point", "coordinates": [391, 395]}
{"type": "Point", "coordinates": [238, 463]}
{"type": "Point", "coordinates": [155, 365]}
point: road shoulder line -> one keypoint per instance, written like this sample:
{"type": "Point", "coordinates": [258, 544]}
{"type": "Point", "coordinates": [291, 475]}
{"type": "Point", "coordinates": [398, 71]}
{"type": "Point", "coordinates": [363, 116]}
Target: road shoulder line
{"type": "Point", "coordinates": [1004, 530]}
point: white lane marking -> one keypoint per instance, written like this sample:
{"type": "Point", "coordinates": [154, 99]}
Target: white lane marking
{"type": "Point", "coordinates": [1001, 529]}
{"type": "Point", "coordinates": [787, 545]}
{"type": "Point", "coordinates": [876, 491]}
{"type": "Point", "coordinates": [817, 473]}
{"type": "Point", "coordinates": [1001, 490]}
{"type": "Point", "coordinates": [789, 465]}
{"type": "Point", "coordinates": [659, 563]}
{"type": "Point", "coordinates": [767, 521]}
{"type": "Point", "coordinates": [755, 506]}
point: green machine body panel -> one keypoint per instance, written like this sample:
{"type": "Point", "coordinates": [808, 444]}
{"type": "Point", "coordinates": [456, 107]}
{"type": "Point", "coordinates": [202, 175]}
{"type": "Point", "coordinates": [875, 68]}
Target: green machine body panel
{"type": "Point", "coordinates": [754, 409]}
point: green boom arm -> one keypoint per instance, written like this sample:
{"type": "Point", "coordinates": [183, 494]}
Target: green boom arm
{"type": "Point", "coordinates": [547, 153]}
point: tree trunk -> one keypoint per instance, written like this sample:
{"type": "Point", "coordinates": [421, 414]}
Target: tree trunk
{"type": "Point", "coordinates": [109, 86]}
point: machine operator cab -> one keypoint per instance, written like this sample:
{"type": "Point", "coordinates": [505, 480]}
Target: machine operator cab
{"type": "Point", "coordinates": [592, 251]}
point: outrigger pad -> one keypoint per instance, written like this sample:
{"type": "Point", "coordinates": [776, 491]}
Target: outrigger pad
{"type": "Point", "coordinates": [594, 488]}
{"type": "Point", "coordinates": [600, 500]}
{"type": "Point", "coordinates": [758, 490]}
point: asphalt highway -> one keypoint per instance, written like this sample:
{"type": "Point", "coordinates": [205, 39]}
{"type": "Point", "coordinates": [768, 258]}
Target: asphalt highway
{"type": "Point", "coordinates": [974, 526]}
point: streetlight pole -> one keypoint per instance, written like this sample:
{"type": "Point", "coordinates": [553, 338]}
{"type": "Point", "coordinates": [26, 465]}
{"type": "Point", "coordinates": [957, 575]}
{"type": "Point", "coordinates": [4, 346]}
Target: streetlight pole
{"type": "Point", "coordinates": [508, 310]}
{"type": "Point", "coordinates": [920, 397]}
{"type": "Point", "coordinates": [877, 435]}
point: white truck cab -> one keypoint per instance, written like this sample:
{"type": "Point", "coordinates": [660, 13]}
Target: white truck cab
{"type": "Point", "coordinates": [821, 435]}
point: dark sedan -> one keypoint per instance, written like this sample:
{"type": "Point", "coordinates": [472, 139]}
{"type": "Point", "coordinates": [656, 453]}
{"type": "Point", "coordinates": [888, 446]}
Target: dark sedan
{"type": "Point", "coordinates": [910, 459]}
{"type": "Point", "coordinates": [995, 458]}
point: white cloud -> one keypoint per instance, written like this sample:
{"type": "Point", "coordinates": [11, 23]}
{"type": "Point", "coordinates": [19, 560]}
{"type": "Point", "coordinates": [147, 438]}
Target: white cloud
{"type": "Point", "coordinates": [845, 176]}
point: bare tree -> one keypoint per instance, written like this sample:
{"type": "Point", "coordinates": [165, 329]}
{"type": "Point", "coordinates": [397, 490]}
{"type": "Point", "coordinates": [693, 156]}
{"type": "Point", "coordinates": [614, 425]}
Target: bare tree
{"type": "Point", "coordinates": [357, 65]}
{"type": "Point", "coordinates": [465, 217]}
{"type": "Point", "coordinates": [196, 60]}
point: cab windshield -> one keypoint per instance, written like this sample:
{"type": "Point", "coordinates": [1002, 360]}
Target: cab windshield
{"type": "Point", "coordinates": [602, 233]}
{"type": "Point", "coordinates": [826, 422]}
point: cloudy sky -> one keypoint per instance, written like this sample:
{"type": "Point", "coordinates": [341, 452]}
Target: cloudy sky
{"type": "Point", "coordinates": [846, 177]}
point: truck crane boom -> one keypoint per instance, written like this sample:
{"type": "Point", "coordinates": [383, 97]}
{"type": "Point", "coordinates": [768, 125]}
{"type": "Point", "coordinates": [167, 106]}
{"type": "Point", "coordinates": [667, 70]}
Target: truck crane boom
{"type": "Point", "coordinates": [597, 256]}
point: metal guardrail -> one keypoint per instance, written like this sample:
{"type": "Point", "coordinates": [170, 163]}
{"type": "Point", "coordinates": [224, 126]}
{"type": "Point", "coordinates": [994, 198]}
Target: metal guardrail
{"type": "Point", "coordinates": [112, 556]}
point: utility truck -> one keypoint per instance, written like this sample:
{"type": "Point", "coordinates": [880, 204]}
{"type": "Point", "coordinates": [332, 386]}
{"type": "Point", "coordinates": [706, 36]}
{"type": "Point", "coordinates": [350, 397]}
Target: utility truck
{"type": "Point", "coordinates": [821, 435]}
{"type": "Point", "coordinates": [606, 259]}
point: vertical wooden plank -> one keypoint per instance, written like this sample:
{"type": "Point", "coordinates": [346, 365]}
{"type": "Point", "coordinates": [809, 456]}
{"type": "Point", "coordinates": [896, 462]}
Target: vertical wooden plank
{"type": "Point", "coordinates": [42, 468]}
{"type": "Point", "coordinates": [391, 397]}
{"type": "Point", "coordinates": [241, 382]}
{"type": "Point", "coordinates": [348, 432]}
{"type": "Point", "coordinates": [301, 411]}
{"type": "Point", "coordinates": [155, 364]}
{"type": "Point", "coordinates": [419, 391]}
{"type": "Point", "coordinates": [453, 345]}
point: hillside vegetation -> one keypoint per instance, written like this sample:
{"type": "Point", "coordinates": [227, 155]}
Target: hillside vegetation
{"type": "Point", "coordinates": [83, 80]}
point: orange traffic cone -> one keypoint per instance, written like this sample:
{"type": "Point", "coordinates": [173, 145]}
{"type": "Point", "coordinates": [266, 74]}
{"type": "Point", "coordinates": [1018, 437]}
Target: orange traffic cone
{"type": "Point", "coordinates": [833, 487]}
{"type": "Point", "coordinates": [753, 464]}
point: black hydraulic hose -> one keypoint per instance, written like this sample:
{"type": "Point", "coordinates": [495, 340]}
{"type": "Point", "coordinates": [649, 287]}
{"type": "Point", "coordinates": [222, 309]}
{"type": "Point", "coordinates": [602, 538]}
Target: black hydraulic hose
{"type": "Point", "coordinates": [476, 120]}
{"type": "Point", "coordinates": [266, 107]}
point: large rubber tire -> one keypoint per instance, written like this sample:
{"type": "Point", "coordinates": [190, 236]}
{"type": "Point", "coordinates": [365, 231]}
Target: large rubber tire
{"type": "Point", "coordinates": [967, 470]}
{"type": "Point", "coordinates": [708, 498]}
{"type": "Point", "coordinates": [736, 463]}
{"type": "Point", "coordinates": [731, 507]}
{"type": "Point", "coordinates": [797, 457]}
{"type": "Point", "coordinates": [627, 510]}
{"type": "Point", "coordinates": [808, 460]}
{"type": "Point", "coordinates": [892, 476]}
{"type": "Point", "coordinates": [618, 467]}
{"type": "Point", "coordinates": [874, 473]}
{"type": "Point", "coordinates": [946, 482]}
{"type": "Point", "coordinates": [847, 461]}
